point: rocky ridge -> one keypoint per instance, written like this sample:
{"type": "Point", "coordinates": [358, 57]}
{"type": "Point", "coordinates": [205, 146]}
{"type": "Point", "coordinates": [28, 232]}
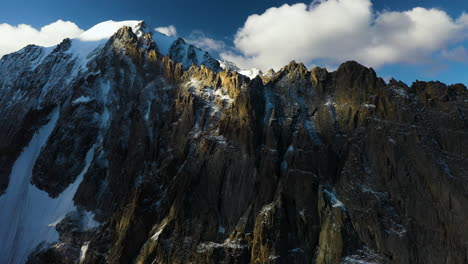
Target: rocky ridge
{"type": "Point", "coordinates": [192, 164]}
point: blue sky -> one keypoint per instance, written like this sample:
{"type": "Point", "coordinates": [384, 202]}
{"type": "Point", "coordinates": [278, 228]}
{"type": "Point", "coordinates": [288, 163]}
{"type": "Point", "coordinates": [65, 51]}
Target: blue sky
{"type": "Point", "coordinates": [220, 21]}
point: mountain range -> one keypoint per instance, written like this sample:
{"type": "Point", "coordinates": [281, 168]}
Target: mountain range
{"type": "Point", "coordinates": [128, 146]}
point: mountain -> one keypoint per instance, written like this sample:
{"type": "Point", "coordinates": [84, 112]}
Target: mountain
{"type": "Point", "coordinates": [127, 146]}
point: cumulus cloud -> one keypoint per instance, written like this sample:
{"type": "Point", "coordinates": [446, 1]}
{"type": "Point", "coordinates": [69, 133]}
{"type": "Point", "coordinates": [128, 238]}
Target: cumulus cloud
{"type": "Point", "coordinates": [16, 37]}
{"type": "Point", "coordinates": [200, 40]}
{"type": "Point", "coordinates": [458, 54]}
{"type": "Point", "coordinates": [333, 31]}
{"type": "Point", "coordinates": [168, 31]}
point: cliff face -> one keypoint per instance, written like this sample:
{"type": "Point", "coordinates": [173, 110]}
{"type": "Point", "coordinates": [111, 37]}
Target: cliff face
{"type": "Point", "coordinates": [160, 163]}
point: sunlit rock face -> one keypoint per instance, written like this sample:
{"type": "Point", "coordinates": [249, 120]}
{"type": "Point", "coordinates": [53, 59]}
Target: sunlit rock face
{"type": "Point", "coordinates": [142, 150]}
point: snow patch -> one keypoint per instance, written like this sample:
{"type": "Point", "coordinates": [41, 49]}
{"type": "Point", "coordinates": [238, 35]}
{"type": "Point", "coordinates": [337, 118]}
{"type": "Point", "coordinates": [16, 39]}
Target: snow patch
{"type": "Point", "coordinates": [228, 243]}
{"type": "Point", "coordinates": [330, 103]}
{"type": "Point", "coordinates": [266, 209]}
{"type": "Point", "coordinates": [160, 229]}
{"type": "Point", "coordinates": [333, 199]}
{"type": "Point", "coordinates": [227, 65]}
{"type": "Point", "coordinates": [363, 256]}
{"type": "Point", "coordinates": [83, 251]}
{"type": "Point", "coordinates": [38, 61]}
{"type": "Point", "coordinates": [369, 106]}
{"type": "Point", "coordinates": [221, 94]}
{"type": "Point", "coordinates": [399, 91]}
{"type": "Point", "coordinates": [163, 42]}
{"type": "Point", "coordinates": [251, 73]}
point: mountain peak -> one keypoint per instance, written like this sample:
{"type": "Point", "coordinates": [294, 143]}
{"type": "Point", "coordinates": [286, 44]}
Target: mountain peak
{"type": "Point", "coordinates": [108, 28]}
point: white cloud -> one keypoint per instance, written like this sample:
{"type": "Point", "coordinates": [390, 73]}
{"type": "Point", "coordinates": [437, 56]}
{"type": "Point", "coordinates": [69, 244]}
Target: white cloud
{"type": "Point", "coordinates": [16, 37]}
{"type": "Point", "coordinates": [168, 31]}
{"type": "Point", "coordinates": [200, 40]}
{"type": "Point", "coordinates": [334, 31]}
{"type": "Point", "coordinates": [458, 54]}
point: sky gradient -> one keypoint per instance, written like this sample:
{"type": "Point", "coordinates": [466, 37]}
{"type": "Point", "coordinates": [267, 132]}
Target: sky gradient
{"type": "Point", "coordinates": [219, 21]}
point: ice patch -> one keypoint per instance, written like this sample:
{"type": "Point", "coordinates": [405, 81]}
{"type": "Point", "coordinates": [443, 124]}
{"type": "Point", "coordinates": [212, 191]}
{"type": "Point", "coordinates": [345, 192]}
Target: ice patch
{"type": "Point", "coordinates": [105, 115]}
{"type": "Point", "coordinates": [297, 250]}
{"type": "Point", "coordinates": [308, 124]}
{"type": "Point", "coordinates": [82, 99]}
{"type": "Point", "coordinates": [28, 215]}
{"type": "Point", "coordinates": [221, 229]}
{"type": "Point", "coordinates": [148, 111]}
{"type": "Point", "coordinates": [268, 105]}
{"type": "Point", "coordinates": [221, 139]}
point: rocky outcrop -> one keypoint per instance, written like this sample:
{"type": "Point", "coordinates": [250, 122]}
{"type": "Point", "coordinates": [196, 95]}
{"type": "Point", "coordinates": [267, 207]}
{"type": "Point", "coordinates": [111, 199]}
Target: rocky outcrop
{"type": "Point", "coordinates": [195, 165]}
{"type": "Point", "coordinates": [189, 55]}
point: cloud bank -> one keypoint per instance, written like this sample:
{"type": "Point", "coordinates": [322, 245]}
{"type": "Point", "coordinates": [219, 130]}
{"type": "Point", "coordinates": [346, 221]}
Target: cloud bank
{"type": "Point", "coordinates": [333, 31]}
{"type": "Point", "coordinates": [16, 37]}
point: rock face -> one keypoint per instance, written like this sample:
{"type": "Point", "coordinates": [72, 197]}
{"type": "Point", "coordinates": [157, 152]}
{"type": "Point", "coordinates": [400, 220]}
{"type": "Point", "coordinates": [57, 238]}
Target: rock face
{"type": "Point", "coordinates": [197, 165]}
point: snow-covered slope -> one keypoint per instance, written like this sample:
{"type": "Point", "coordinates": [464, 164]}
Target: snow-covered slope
{"type": "Point", "coordinates": [164, 42]}
{"type": "Point", "coordinates": [28, 215]}
{"type": "Point", "coordinates": [106, 29]}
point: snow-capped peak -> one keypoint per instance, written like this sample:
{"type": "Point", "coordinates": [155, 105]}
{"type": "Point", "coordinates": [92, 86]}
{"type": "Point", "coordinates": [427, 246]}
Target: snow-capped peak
{"type": "Point", "coordinates": [106, 29]}
{"type": "Point", "coordinates": [251, 73]}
